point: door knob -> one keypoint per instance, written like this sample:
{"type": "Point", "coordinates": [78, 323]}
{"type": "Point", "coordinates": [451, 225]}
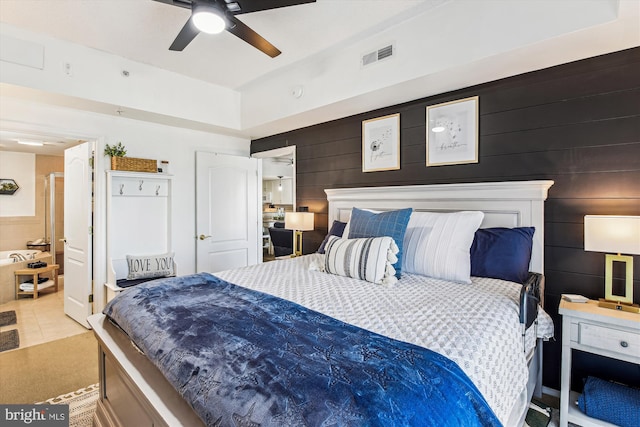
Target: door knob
{"type": "Point", "coordinates": [203, 237]}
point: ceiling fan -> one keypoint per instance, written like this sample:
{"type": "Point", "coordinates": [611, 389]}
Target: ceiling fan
{"type": "Point", "coordinates": [215, 16]}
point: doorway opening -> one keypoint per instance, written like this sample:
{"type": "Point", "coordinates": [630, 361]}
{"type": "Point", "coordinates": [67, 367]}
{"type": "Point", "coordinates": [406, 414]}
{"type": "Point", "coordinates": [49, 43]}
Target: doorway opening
{"type": "Point", "coordinates": [277, 195]}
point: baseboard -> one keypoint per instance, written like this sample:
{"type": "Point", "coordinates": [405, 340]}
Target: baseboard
{"type": "Point", "coordinates": [550, 391]}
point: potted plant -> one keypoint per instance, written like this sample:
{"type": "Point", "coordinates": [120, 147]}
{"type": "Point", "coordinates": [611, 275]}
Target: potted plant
{"type": "Point", "coordinates": [116, 150]}
{"type": "Point", "coordinates": [120, 162]}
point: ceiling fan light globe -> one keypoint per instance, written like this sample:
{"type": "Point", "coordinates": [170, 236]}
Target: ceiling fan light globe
{"type": "Point", "coordinates": [208, 22]}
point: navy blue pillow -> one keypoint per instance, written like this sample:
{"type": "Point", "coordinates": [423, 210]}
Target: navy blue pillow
{"type": "Point", "coordinates": [390, 223]}
{"type": "Point", "coordinates": [502, 253]}
{"type": "Point", "coordinates": [337, 228]}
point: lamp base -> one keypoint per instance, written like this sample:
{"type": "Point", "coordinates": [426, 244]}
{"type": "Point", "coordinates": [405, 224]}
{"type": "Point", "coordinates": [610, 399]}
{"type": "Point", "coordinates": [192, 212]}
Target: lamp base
{"type": "Point", "coordinates": [618, 305]}
{"type": "Point", "coordinates": [297, 244]}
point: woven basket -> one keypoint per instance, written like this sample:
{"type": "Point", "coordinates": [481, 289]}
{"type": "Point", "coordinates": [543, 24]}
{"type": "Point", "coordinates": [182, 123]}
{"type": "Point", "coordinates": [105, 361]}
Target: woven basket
{"type": "Point", "coordinates": [133, 164]}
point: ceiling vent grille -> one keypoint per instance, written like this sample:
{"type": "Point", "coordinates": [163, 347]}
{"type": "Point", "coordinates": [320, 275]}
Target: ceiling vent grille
{"type": "Point", "coordinates": [378, 55]}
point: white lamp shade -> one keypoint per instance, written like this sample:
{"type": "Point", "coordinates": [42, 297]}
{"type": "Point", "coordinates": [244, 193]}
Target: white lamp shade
{"type": "Point", "coordinates": [302, 221]}
{"type": "Point", "coordinates": [613, 234]}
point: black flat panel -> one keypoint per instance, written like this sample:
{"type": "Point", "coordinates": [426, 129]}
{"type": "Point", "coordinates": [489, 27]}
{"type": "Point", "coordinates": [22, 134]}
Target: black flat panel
{"type": "Point", "coordinates": [601, 185]}
{"type": "Point", "coordinates": [329, 149]}
{"type": "Point", "coordinates": [329, 163]}
{"type": "Point", "coordinates": [574, 210]}
{"type": "Point", "coordinates": [565, 234]}
{"type": "Point", "coordinates": [604, 132]}
{"type": "Point", "coordinates": [577, 260]}
{"type": "Point", "coordinates": [563, 87]}
{"type": "Point", "coordinates": [578, 110]}
{"type": "Point", "coordinates": [310, 192]}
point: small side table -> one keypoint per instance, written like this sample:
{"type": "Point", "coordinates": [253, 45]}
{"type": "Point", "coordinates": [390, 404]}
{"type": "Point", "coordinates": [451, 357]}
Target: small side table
{"type": "Point", "coordinates": [35, 273]}
{"type": "Point", "coordinates": [587, 327]}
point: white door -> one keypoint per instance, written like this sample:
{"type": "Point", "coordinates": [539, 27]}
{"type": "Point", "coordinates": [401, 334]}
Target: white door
{"type": "Point", "coordinates": [77, 231]}
{"type": "Point", "coordinates": [226, 212]}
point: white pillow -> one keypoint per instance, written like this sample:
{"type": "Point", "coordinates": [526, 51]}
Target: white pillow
{"type": "Point", "coordinates": [437, 244]}
{"type": "Point", "coordinates": [146, 266]}
{"type": "Point", "coordinates": [369, 259]}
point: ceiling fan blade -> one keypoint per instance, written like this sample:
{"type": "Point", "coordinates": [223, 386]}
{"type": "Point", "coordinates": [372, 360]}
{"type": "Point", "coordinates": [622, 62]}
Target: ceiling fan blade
{"type": "Point", "coordinates": [245, 33]}
{"type": "Point", "coordinates": [184, 37]}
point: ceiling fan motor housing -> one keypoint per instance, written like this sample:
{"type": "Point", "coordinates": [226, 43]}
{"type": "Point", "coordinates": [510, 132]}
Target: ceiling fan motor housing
{"type": "Point", "coordinates": [208, 17]}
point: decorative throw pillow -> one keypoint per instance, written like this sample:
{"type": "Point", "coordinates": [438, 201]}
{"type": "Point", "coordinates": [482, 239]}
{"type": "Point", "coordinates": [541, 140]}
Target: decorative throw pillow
{"type": "Point", "coordinates": [437, 244]}
{"type": "Point", "coordinates": [143, 266]}
{"type": "Point", "coordinates": [389, 223]}
{"type": "Point", "coordinates": [345, 233]}
{"type": "Point", "coordinates": [502, 253]}
{"type": "Point", "coordinates": [369, 259]}
{"type": "Point", "coordinates": [337, 228]}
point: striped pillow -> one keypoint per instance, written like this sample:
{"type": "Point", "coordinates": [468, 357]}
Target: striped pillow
{"type": "Point", "coordinates": [369, 259]}
{"type": "Point", "coordinates": [437, 244]}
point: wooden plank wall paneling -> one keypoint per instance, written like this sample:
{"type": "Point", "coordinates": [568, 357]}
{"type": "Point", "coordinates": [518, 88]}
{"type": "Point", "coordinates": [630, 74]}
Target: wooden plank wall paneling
{"type": "Point", "coordinates": [577, 124]}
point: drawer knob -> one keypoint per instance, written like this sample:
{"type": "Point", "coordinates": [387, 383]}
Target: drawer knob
{"type": "Point", "coordinates": [624, 344]}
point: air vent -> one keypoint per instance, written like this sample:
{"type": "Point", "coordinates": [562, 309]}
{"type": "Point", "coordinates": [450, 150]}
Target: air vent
{"type": "Point", "coordinates": [377, 55]}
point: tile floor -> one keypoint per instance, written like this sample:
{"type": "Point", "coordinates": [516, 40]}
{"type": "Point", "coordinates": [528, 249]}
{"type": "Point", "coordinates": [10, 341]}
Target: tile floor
{"type": "Point", "coordinates": [43, 319]}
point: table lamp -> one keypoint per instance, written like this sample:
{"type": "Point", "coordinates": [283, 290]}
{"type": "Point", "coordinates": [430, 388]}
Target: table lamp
{"type": "Point", "coordinates": [621, 235]}
{"type": "Point", "coordinates": [298, 222]}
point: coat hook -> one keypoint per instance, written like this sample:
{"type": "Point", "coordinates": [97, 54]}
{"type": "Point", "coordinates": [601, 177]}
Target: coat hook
{"type": "Point", "coordinates": [157, 190]}
{"type": "Point", "coordinates": [140, 186]}
{"type": "Point", "coordinates": [121, 189]}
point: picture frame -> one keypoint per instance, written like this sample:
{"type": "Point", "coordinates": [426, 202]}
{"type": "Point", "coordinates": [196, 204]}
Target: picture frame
{"type": "Point", "coordinates": [452, 132]}
{"type": "Point", "coordinates": [8, 186]}
{"type": "Point", "coordinates": [381, 143]}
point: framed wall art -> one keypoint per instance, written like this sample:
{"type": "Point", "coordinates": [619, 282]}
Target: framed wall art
{"type": "Point", "coordinates": [452, 132]}
{"type": "Point", "coordinates": [381, 143]}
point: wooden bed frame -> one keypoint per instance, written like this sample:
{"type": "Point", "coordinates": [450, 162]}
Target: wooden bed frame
{"type": "Point", "coordinates": [134, 392]}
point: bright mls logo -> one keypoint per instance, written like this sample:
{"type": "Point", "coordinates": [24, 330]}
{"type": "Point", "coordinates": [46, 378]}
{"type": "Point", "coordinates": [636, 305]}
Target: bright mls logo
{"type": "Point", "coordinates": [34, 415]}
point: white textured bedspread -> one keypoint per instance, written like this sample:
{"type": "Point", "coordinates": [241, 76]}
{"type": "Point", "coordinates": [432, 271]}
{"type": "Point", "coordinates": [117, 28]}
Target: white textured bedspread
{"type": "Point", "coordinates": [475, 325]}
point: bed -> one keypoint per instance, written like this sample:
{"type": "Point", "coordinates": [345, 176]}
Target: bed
{"type": "Point", "coordinates": [412, 312]}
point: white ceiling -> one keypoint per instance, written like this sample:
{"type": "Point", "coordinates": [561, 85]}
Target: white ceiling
{"type": "Point", "coordinates": [142, 30]}
{"type": "Point", "coordinates": [52, 144]}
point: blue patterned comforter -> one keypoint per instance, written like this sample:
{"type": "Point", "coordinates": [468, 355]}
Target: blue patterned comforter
{"type": "Point", "coordinates": [245, 358]}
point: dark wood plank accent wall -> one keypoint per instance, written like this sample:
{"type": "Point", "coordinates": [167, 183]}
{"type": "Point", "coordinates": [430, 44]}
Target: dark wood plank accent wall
{"type": "Point", "coordinates": [577, 124]}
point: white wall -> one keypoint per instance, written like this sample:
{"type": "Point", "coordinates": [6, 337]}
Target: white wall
{"type": "Point", "coordinates": [36, 61]}
{"type": "Point", "coordinates": [142, 139]}
{"type": "Point", "coordinates": [21, 167]}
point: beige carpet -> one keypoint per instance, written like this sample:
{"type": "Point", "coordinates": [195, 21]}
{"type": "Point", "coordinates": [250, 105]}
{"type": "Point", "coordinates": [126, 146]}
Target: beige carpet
{"type": "Point", "coordinates": [36, 373]}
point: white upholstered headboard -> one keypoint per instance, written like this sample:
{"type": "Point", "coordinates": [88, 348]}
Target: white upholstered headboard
{"type": "Point", "coordinates": [505, 204]}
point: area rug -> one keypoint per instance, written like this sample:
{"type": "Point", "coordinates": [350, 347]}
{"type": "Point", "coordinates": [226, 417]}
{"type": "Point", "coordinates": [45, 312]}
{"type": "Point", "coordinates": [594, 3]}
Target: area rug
{"type": "Point", "coordinates": [7, 318]}
{"type": "Point", "coordinates": [9, 340]}
{"type": "Point", "coordinates": [82, 404]}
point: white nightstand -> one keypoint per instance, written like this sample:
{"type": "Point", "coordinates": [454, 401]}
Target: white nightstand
{"type": "Point", "coordinates": [587, 327]}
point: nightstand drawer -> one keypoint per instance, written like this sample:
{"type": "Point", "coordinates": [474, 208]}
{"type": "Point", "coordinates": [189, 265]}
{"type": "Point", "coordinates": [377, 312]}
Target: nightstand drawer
{"type": "Point", "coordinates": [616, 340]}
